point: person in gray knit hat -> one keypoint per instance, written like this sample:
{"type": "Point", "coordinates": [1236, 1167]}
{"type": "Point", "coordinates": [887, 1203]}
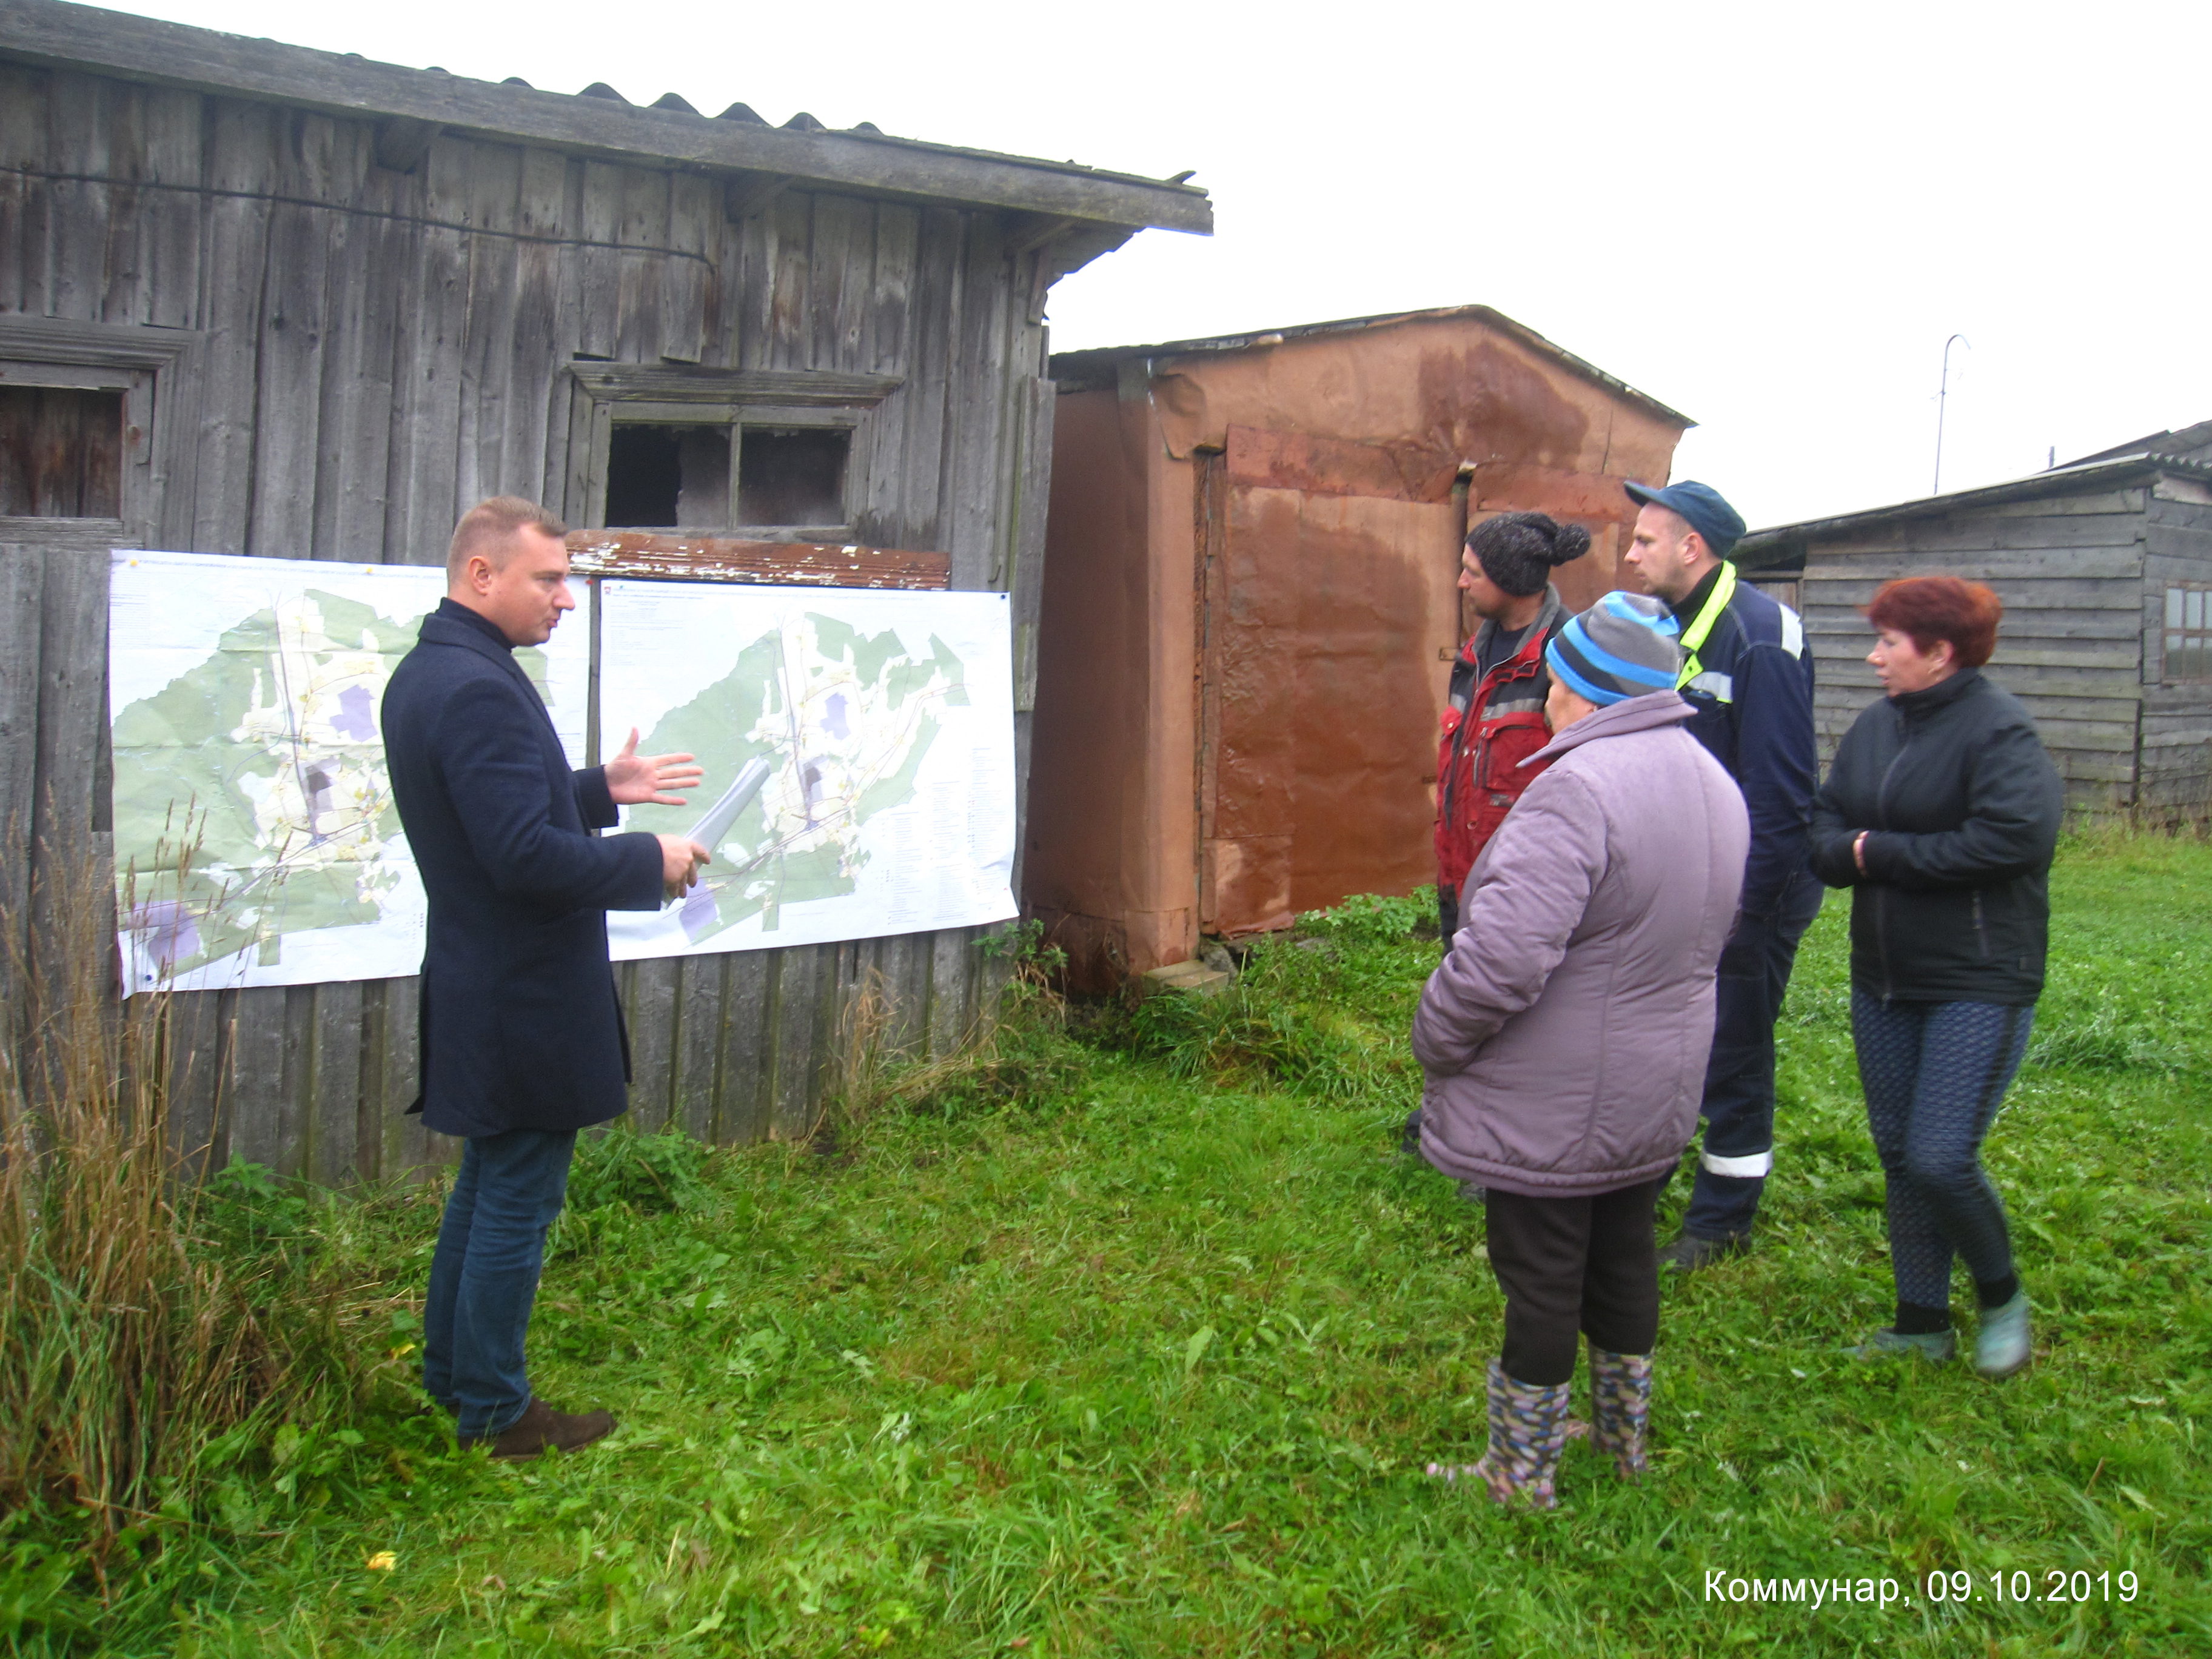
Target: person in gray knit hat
{"type": "Point", "coordinates": [1564, 1040]}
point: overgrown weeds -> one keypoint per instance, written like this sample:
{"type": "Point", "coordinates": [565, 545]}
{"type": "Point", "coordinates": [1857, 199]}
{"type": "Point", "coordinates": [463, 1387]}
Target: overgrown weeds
{"type": "Point", "coordinates": [1149, 1359]}
{"type": "Point", "coordinates": [1021, 1055]}
{"type": "Point", "coordinates": [150, 1325]}
{"type": "Point", "coordinates": [123, 1351]}
{"type": "Point", "coordinates": [1323, 1012]}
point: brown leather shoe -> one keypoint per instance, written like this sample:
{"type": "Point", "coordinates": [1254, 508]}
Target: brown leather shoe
{"type": "Point", "coordinates": [540, 1427]}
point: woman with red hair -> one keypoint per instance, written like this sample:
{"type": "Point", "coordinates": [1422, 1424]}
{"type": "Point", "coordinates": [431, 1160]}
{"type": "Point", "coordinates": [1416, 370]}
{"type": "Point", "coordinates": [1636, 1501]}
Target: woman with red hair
{"type": "Point", "coordinates": [1942, 813]}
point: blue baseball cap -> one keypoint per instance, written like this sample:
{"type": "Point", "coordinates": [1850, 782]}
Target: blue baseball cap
{"type": "Point", "coordinates": [1701, 506]}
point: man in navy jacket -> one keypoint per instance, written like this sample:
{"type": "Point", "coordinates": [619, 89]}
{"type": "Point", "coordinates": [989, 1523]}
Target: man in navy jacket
{"type": "Point", "coordinates": [1747, 677]}
{"type": "Point", "coordinates": [522, 1038]}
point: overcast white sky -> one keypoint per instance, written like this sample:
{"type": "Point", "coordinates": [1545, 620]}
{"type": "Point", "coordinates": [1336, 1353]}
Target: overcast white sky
{"type": "Point", "coordinates": [1768, 216]}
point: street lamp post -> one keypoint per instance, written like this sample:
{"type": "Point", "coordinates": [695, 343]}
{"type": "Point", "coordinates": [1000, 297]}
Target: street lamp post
{"type": "Point", "coordinates": [1942, 392]}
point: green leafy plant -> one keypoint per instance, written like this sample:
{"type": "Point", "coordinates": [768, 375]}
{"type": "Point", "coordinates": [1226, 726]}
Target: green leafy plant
{"type": "Point", "coordinates": [649, 1173]}
{"type": "Point", "coordinates": [1374, 919]}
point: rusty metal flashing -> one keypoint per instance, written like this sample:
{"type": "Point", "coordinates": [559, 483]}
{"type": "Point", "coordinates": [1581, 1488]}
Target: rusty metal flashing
{"type": "Point", "coordinates": [597, 123]}
{"type": "Point", "coordinates": [2061, 481]}
{"type": "Point", "coordinates": [677, 557]}
{"type": "Point", "coordinates": [1097, 367]}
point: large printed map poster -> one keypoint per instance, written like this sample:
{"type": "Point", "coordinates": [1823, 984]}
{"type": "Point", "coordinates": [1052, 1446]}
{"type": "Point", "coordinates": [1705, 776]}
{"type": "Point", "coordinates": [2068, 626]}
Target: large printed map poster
{"type": "Point", "coordinates": [885, 720]}
{"type": "Point", "coordinates": [256, 841]}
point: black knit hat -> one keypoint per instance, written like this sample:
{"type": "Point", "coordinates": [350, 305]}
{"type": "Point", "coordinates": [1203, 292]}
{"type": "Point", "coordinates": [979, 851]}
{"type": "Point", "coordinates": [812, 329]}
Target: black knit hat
{"type": "Point", "coordinates": [1519, 550]}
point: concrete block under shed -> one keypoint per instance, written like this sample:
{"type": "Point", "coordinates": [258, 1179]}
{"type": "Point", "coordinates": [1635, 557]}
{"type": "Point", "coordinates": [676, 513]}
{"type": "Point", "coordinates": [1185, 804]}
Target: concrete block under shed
{"type": "Point", "coordinates": [1190, 978]}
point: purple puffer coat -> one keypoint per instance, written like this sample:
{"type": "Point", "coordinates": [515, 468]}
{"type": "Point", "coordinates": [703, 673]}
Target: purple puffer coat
{"type": "Point", "coordinates": [1565, 1037]}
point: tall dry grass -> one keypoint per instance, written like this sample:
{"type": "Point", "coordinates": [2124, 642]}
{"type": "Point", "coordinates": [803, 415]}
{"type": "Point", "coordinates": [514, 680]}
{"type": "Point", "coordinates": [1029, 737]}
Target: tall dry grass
{"type": "Point", "coordinates": [1009, 1048]}
{"type": "Point", "coordinates": [123, 1348]}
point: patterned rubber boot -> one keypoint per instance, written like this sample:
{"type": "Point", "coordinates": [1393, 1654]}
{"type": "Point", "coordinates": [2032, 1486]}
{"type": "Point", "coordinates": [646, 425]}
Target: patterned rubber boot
{"type": "Point", "coordinates": [1620, 1392]}
{"type": "Point", "coordinates": [1527, 1431]}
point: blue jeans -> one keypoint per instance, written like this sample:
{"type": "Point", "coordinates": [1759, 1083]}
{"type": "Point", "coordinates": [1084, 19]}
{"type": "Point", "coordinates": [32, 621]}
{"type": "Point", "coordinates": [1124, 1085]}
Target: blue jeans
{"type": "Point", "coordinates": [1739, 1103]}
{"type": "Point", "coordinates": [484, 1277]}
{"type": "Point", "coordinates": [1935, 1074]}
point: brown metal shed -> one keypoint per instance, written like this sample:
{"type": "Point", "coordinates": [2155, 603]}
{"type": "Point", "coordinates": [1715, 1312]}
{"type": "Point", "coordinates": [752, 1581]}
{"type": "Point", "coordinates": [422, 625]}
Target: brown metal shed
{"type": "Point", "coordinates": [1250, 606]}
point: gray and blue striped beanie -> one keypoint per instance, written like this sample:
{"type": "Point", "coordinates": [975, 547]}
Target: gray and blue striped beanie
{"type": "Point", "coordinates": [1622, 646]}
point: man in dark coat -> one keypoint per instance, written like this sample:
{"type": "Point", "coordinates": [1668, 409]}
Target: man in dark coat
{"type": "Point", "coordinates": [1747, 677]}
{"type": "Point", "coordinates": [522, 1038]}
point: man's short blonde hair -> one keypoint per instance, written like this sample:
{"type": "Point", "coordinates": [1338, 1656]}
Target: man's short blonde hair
{"type": "Point", "coordinates": [488, 529]}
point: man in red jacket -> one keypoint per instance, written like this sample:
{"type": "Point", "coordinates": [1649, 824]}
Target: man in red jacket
{"type": "Point", "coordinates": [1496, 720]}
{"type": "Point", "coordinates": [1496, 717]}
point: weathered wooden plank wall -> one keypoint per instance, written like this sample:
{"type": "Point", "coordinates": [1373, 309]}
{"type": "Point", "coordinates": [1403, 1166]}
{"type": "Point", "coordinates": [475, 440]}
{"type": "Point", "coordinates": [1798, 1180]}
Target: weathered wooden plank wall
{"type": "Point", "coordinates": [373, 350]}
{"type": "Point", "coordinates": [2070, 573]}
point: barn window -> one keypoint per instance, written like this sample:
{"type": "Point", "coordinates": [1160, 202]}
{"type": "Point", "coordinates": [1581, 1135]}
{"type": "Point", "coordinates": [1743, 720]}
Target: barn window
{"type": "Point", "coordinates": [729, 474]}
{"type": "Point", "coordinates": [61, 452]}
{"type": "Point", "coordinates": [767, 454]}
{"type": "Point", "coordinates": [2188, 653]}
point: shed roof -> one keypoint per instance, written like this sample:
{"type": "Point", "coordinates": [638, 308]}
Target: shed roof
{"type": "Point", "coordinates": [1098, 365]}
{"type": "Point", "coordinates": [2189, 443]}
{"type": "Point", "coordinates": [2100, 473]}
{"type": "Point", "coordinates": [597, 122]}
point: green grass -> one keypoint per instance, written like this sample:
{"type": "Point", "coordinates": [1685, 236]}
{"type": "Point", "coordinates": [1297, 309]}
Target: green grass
{"type": "Point", "coordinates": [1148, 1358]}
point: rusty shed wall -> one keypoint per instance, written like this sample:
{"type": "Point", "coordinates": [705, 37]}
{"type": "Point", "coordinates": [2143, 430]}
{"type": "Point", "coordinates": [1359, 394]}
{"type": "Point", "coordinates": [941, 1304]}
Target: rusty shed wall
{"type": "Point", "coordinates": [1302, 519]}
{"type": "Point", "coordinates": [1111, 842]}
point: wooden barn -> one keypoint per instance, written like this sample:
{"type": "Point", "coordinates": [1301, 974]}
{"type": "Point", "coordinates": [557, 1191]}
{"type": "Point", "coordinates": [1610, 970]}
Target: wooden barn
{"type": "Point", "coordinates": [264, 301]}
{"type": "Point", "coordinates": [2105, 567]}
{"type": "Point", "coordinates": [1251, 606]}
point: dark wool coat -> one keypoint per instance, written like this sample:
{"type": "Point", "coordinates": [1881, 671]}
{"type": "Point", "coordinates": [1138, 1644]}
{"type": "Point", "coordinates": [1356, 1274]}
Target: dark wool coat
{"type": "Point", "coordinates": [521, 1029]}
{"type": "Point", "coordinates": [1964, 807]}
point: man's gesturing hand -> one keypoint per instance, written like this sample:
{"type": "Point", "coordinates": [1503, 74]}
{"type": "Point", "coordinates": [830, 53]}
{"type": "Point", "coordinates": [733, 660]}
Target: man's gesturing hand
{"type": "Point", "coordinates": [633, 779]}
{"type": "Point", "coordinates": [679, 863]}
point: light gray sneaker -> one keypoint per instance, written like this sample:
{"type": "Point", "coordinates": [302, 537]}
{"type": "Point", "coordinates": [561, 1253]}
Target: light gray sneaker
{"type": "Point", "coordinates": [1936, 1347]}
{"type": "Point", "coordinates": [2003, 1343]}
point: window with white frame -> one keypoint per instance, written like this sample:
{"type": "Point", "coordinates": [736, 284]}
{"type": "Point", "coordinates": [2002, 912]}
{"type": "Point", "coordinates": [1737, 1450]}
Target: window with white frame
{"type": "Point", "coordinates": [2187, 642]}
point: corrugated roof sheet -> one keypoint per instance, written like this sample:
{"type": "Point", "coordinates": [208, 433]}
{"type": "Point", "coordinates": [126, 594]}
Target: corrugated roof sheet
{"type": "Point", "coordinates": [2059, 481]}
{"type": "Point", "coordinates": [597, 121]}
{"type": "Point", "coordinates": [1094, 360]}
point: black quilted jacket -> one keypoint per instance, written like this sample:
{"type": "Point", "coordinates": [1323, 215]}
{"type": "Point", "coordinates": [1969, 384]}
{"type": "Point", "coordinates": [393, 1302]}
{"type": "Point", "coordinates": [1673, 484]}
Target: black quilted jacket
{"type": "Point", "coordinates": [1965, 806]}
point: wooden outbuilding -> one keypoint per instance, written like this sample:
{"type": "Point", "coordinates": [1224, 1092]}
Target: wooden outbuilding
{"type": "Point", "coordinates": [2105, 568]}
{"type": "Point", "coordinates": [266, 300]}
{"type": "Point", "coordinates": [1251, 607]}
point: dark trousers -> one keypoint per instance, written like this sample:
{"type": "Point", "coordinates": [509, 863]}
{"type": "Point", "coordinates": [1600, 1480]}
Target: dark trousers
{"type": "Point", "coordinates": [1934, 1074]}
{"type": "Point", "coordinates": [483, 1274]}
{"type": "Point", "coordinates": [1572, 1267]}
{"type": "Point", "coordinates": [1738, 1100]}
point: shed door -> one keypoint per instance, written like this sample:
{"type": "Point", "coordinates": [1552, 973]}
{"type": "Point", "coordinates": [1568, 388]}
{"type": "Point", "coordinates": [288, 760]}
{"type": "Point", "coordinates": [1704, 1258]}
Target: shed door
{"type": "Point", "coordinates": [1326, 623]}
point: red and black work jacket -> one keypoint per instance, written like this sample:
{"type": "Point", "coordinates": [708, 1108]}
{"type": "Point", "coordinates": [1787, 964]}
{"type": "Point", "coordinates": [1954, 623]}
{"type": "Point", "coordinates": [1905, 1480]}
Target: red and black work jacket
{"type": "Point", "coordinates": [1489, 729]}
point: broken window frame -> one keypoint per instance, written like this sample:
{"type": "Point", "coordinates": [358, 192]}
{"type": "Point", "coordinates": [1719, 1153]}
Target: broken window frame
{"type": "Point", "coordinates": [734, 419]}
{"type": "Point", "coordinates": [732, 400]}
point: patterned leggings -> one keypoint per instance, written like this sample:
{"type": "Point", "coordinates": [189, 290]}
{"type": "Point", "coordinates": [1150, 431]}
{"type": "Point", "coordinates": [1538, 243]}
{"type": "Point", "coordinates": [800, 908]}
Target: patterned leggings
{"type": "Point", "coordinates": [1934, 1074]}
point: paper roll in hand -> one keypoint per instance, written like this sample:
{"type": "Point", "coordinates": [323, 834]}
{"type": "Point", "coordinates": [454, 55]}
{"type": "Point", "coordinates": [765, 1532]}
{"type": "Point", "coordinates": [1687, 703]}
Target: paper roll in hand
{"type": "Point", "coordinates": [710, 829]}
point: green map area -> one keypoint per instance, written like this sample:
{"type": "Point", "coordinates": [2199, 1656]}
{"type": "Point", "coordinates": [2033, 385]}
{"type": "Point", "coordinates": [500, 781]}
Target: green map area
{"type": "Point", "coordinates": [844, 720]}
{"type": "Point", "coordinates": [251, 797]}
